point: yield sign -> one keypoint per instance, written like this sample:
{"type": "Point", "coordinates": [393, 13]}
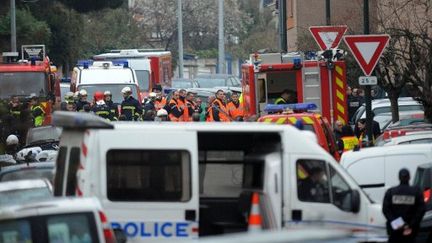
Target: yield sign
{"type": "Point", "coordinates": [328, 37]}
{"type": "Point", "coordinates": [367, 49]}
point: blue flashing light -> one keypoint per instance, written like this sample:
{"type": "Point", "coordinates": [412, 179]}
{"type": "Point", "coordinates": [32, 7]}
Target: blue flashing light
{"type": "Point", "coordinates": [33, 61]}
{"type": "Point", "coordinates": [121, 62]}
{"type": "Point", "coordinates": [65, 80]}
{"type": "Point", "coordinates": [85, 63]}
{"type": "Point", "coordinates": [297, 61]}
{"type": "Point", "coordinates": [295, 107]}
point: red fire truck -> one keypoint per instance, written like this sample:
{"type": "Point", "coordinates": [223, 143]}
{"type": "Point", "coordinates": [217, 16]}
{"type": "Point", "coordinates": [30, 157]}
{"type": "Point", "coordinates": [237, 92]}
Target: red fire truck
{"type": "Point", "coordinates": [320, 82]}
{"type": "Point", "coordinates": [31, 75]}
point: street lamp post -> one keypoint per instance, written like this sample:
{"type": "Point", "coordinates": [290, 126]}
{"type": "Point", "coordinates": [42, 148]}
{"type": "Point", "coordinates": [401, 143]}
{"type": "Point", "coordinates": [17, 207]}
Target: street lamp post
{"type": "Point", "coordinates": [13, 26]}
{"type": "Point", "coordinates": [221, 47]}
{"type": "Point", "coordinates": [180, 36]}
{"type": "Point", "coordinates": [369, 124]}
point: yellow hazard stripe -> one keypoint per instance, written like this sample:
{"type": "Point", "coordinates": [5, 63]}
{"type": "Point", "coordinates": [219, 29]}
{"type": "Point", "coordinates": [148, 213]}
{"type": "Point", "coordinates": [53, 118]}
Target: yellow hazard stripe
{"type": "Point", "coordinates": [339, 70]}
{"type": "Point", "coordinates": [268, 120]}
{"type": "Point", "coordinates": [340, 95]}
{"type": "Point", "coordinates": [292, 120]}
{"type": "Point", "coordinates": [339, 83]}
{"type": "Point", "coordinates": [341, 119]}
{"type": "Point", "coordinates": [281, 120]}
{"type": "Point", "coordinates": [307, 120]}
{"type": "Point", "coordinates": [340, 108]}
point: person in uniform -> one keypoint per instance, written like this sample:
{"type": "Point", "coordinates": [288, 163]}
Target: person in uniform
{"type": "Point", "coordinates": [130, 107]}
{"type": "Point", "coordinates": [82, 101]}
{"type": "Point", "coordinates": [403, 207]}
{"type": "Point", "coordinates": [235, 109]}
{"type": "Point", "coordinates": [37, 111]}
{"type": "Point", "coordinates": [217, 109]}
{"type": "Point", "coordinates": [100, 108]}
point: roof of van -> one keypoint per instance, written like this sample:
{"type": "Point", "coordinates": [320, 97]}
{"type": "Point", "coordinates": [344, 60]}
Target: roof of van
{"type": "Point", "coordinates": [51, 206]}
{"type": "Point", "coordinates": [352, 156]}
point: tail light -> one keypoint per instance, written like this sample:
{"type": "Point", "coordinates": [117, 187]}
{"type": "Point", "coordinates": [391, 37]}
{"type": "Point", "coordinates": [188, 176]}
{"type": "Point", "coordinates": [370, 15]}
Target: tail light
{"type": "Point", "coordinates": [427, 195]}
{"type": "Point", "coordinates": [107, 231]}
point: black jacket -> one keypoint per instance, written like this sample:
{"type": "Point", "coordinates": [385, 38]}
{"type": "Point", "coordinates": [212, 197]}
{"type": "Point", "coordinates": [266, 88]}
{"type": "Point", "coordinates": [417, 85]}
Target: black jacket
{"type": "Point", "coordinates": [404, 201]}
{"type": "Point", "coordinates": [131, 109]}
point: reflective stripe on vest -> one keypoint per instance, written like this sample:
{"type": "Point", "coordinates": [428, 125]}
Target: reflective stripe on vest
{"type": "Point", "coordinates": [350, 142]}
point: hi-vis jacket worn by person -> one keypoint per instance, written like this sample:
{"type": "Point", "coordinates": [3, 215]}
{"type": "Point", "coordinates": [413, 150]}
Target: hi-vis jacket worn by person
{"type": "Point", "coordinates": [218, 112]}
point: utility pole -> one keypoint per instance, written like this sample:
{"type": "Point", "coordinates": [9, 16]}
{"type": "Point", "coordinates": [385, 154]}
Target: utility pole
{"type": "Point", "coordinates": [328, 19]}
{"type": "Point", "coordinates": [369, 126]}
{"type": "Point", "coordinates": [180, 36]}
{"type": "Point", "coordinates": [13, 26]}
{"type": "Point", "coordinates": [282, 26]}
{"type": "Point", "coordinates": [221, 56]}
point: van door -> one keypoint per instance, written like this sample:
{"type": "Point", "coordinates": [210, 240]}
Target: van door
{"type": "Point", "coordinates": [319, 193]}
{"type": "Point", "coordinates": [150, 184]}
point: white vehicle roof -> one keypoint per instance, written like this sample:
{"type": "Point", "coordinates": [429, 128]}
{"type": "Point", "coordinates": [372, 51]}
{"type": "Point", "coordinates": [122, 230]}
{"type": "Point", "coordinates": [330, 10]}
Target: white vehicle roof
{"type": "Point", "coordinates": [97, 74]}
{"type": "Point", "coordinates": [53, 206]}
{"type": "Point", "coordinates": [405, 101]}
{"type": "Point", "coordinates": [23, 184]}
{"type": "Point", "coordinates": [410, 137]}
{"type": "Point", "coordinates": [351, 157]}
{"type": "Point", "coordinates": [131, 53]}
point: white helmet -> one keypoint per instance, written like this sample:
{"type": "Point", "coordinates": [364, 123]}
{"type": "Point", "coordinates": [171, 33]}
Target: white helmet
{"type": "Point", "coordinates": [107, 92]}
{"type": "Point", "coordinates": [69, 95]}
{"type": "Point", "coordinates": [126, 89]}
{"type": "Point", "coordinates": [12, 140]}
{"type": "Point", "coordinates": [152, 95]}
{"type": "Point", "coordinates": [162, 112]}
{"type": "Point", "coordinates": [82, 92]}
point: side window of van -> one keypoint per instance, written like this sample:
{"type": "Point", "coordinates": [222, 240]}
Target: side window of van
{"type": "Point", "coordinates": [74, 161]}
{"type": "Point", "coordinates": [60, 170]}
{"type": "Point", "coordinates": [341, 191]}
{"type": "Point", "coordinates": [312, 181]}
{"type": "Point", "coordinates": [148, 175]}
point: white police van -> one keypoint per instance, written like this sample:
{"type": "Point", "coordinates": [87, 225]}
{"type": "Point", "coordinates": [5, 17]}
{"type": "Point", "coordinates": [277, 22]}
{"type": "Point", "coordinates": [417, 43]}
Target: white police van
{"type": "Point", "coordinates": [166, 181]}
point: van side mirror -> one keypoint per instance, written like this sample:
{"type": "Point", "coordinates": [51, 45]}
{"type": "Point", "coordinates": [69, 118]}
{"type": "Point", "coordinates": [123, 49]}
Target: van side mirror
{"type": "Point", "coordinates": [355, 201]}
{"type": "Point", "coordinates": [120, 235]}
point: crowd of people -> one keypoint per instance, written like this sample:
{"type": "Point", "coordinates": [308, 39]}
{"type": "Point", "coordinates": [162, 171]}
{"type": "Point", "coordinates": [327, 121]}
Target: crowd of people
{"type": "Point", "coordinates": [179, 106]}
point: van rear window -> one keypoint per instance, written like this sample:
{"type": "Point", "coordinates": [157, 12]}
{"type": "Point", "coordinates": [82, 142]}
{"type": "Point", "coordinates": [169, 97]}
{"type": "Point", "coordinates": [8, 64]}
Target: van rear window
{"type": "Point", "coordinates": [148, 175]}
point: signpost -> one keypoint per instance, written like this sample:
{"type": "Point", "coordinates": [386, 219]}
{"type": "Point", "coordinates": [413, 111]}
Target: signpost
{"type": "Point", "coordinates": [367, 50]}
{"type": "Point", "coordinates": [328, 37]}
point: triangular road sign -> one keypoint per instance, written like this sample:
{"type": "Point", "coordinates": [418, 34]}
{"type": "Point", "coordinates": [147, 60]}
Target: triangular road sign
{"type": "Point", "coordinates": [367, 49]}
{"type": "Point", "coordinates": [328, 37]}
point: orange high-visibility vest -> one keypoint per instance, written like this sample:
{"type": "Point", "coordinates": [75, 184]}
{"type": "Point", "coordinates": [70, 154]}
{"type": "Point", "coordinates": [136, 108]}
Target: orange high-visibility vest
{"type": "Point", "coordinates": [235, 111]}
{"type": "Point", "coordinates": [160, 104]}
{"type": "Point", "coordinates": [223, 114]}
{"type": "Point", "coordinates": [349, 142]}
{"type": "Point", "coordinates": [171, 116]}
{"type": "Point", "coordinates": [186, 115]}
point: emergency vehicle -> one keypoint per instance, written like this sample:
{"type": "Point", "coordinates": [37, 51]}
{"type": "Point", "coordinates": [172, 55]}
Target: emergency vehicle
{"type": "Point", "coordinates": [153, 67]}
{"type": "Point", "coordinates": [103, 76]}
{"type": "Point", "coordinates": [320, 82]}
{"type": "Point", "coordinates": [56, 220]}
{"type": "Point", "coordinates": [154, 187]}
{"type": "Point", "coordinates": [34, 75]}
{"type": "Point", "coordinates": [314, 122]}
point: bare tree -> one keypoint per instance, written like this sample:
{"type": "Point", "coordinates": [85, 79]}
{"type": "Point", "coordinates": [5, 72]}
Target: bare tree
{"type": "Point", "coordinates": [408, 58]}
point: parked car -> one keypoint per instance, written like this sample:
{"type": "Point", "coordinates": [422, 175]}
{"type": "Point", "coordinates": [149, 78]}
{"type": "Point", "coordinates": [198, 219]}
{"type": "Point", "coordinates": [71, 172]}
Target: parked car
{"type": "Point", "coordinates": [217, 80]}
{"type": "Point", "coordinates": [24, 191]}
{"type": "Point", "coordinates": [423, 179]}
{"type": "Point", "coordinates": [382, 165]}
{"type": "Point", "coordinates": [184, 83]}
{"type": "Point", "coordinates": [35, 170]}
{"type": "Point", "coordinates": [418, 133]}
{"type": "Point", "coordinates": [46, 137]}
{"type": "Point", "coordinates": [405, 118]}
{"type": "Point", "coordinates": [383, 106]}
{"type": "Point", "coordinates": [56, 220]}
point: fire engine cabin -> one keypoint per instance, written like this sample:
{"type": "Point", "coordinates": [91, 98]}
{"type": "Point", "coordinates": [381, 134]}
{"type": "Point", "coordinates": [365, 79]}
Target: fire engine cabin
{"type": "Point", "coordinates": [267, 75]}
{"type": "Point", "coordinates": [26, 77]}
{"type": "Point", "coordinates": [153, 67]}
{"type": "Point", "coordinates": [311, 121]}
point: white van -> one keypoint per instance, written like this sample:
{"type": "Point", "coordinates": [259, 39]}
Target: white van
{"type": "Point", "coordinates": [376, 169]}
{"type": "Point", "coordinates": [103, 76]}
{"type": "Point", "coordinates": [160, 181]}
